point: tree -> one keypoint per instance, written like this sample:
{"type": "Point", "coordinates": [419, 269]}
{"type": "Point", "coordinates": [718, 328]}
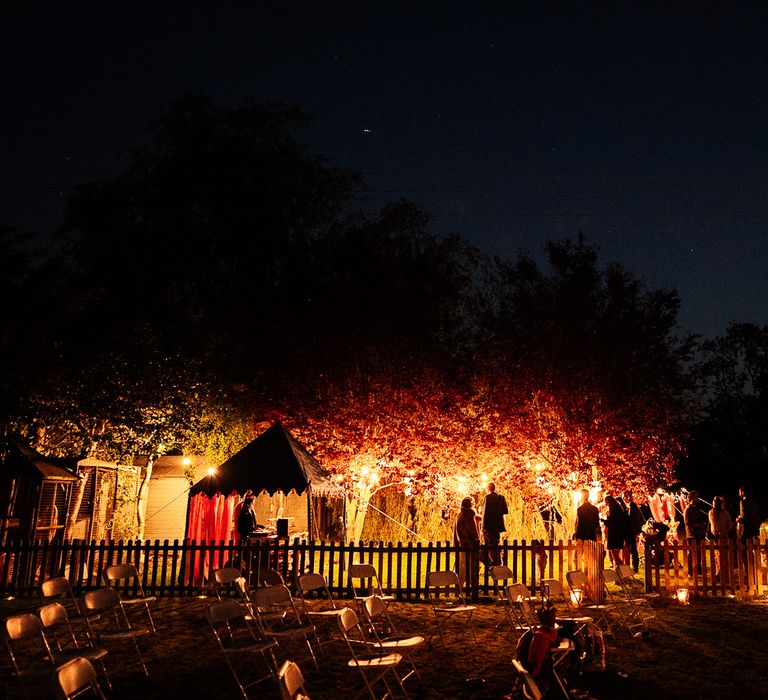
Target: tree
{"type": "Point", "coordinates": [729, 445]}
{"type": "Point", "coordinates": [589, 369]}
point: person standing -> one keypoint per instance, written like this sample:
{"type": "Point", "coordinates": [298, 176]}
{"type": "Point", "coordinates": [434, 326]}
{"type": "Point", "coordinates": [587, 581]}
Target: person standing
{"type": "Point", "coordinates": [587, 519]}
{"type": "Point", "coordinates": [246, 520]}
{"type": "Point", "coordinates": [587, 528]}
{"type": "Point", "coordinates": [749, 520]}
{"type": "Point", "coordinates": [720, 527]}
{"type": "Point", "coordinates": [615, 529]}
{"type": "Point", "coordinates": [466, 535]}
{"type": "Point", "coordinates": [634, 522]}
{"type": "Point", "coordinates": [747, 523]}
{"type": "Point", "coordinates": [494, 510]}
{"type": "Point", "coordinates": [696, 522]}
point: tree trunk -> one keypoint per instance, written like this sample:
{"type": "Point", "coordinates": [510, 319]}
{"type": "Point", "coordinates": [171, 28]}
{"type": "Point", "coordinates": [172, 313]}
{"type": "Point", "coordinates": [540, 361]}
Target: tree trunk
{"type": "Point", "coordinates": [141, 503]}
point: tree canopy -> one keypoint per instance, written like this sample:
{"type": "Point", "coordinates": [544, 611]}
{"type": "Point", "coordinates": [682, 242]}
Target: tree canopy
{"type": "Point", "coordinates": [228, 278]}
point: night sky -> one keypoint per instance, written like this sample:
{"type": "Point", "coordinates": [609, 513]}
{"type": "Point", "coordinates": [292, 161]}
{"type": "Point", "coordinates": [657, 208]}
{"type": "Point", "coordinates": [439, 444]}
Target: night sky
{"type": "Point", "coordinates": [511, 123]}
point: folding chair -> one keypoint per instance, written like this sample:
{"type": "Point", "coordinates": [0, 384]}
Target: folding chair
{"type": "Point", "coordinates": [28, 649]}
{"type": "Point", "coordinates": [500, 574]}
{"type": "Point", "coordinates": [224, 579]}
{"type": "Point", "coordinates": [628, 609]}
{"type": "Point", "coordinates": [60, 590]}
{"type": "Point", "coordinates": [239, 644]}
{"type": "Point", "coordinates": [287, 625]}
{"type": "Point", "coordinates": [373, 667]}
{"type": "Point", "coordinates": [584, 603]}
{"type": "Point", "coordinates": [312, 583]}
{"type": "Point", "coordinates": [63, 642]}
{"type": "Point", "coordinates": [365, 582]}
{"type": "Point", "coordinates": [521, 613]}
{"type": "Point", "coordinates": [632, 589]}
{"type": "Point", "coordinates": [76, 677]}
{"type": "Point", "coordinates": [439, 582]}
{"type": "Point", "coordinates": [108, 624]}
{"type": "Point", "coordinates": [553, 590]}
{"type": "Point", "coordinates": [271, 577]}
{"type": "Point", "coordinates": [530, 689]}
{"type": "Point", "coordinates": [128, 575]}
{"type": "Point", "coordinates": [291, 682]}
{"type": "Point", "coordinates": [379, 630]}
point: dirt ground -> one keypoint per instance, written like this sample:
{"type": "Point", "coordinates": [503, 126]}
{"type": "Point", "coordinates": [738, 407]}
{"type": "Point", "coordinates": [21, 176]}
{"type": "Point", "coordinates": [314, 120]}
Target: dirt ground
{"type": "Point", "coordinates": [709, 649]}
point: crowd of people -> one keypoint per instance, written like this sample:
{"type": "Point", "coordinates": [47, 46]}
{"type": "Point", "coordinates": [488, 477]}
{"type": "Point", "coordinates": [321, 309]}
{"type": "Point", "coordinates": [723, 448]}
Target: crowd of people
{"type": "Point", "coordinates": [619, 522]}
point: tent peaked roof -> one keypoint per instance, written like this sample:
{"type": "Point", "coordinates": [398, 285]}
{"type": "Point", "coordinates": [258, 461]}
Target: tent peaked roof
{"type": "Point", "coordinates": [274, 461]}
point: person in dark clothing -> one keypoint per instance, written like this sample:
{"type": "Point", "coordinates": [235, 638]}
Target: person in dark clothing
{"type": "Point", "coordinates": [655, 533]}
{"type": "Point", "coordinates": [634, 521]}
{"type": "Point", "coordinates": [615, 529]}
{"type": "Point", "coordinates": [749, 518]}
{"type": "Point", "coordinates": [747, 522]}
{"type": "Point", "coordinates": [494, 510]}
{"type": "Point", "coordinates": [696, 523]}
{"type": "Point", "coordinates": [246, 521]}
{"type": "Point", "coordinates": [587, 519]}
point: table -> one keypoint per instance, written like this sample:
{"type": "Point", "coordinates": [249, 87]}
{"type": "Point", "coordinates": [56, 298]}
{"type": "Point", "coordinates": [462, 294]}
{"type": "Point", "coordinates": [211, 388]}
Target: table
{"type": "Point", "coordinates": [559, 654]}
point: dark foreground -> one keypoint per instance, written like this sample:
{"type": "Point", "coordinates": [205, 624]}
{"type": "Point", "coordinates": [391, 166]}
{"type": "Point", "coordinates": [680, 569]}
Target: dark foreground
{"type": "Point", "coordinates": [712, 649]}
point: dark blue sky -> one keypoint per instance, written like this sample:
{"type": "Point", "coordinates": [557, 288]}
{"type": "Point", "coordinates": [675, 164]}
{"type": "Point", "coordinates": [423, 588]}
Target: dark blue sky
{"type": "Point", "coordinates": [645, 126]}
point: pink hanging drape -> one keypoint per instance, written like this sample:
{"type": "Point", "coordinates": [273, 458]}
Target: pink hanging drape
{"type": "Point", "coordinates": [210, 520]}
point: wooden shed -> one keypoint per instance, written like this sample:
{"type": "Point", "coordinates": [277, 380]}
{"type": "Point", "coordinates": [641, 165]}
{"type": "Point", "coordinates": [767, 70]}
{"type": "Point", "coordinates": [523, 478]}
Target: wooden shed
{"type": "Point", "coordinates": [35, 493]}
{"type": "Point", "coordinates": [166, 510]}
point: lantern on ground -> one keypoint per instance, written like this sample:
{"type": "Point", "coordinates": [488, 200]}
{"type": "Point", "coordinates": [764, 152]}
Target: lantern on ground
{"type": "Point", "coordinates": [682, 596]}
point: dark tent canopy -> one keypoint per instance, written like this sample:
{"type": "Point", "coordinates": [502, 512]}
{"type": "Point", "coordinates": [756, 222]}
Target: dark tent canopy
{"type": "Point", "coordinates": [274, 461]}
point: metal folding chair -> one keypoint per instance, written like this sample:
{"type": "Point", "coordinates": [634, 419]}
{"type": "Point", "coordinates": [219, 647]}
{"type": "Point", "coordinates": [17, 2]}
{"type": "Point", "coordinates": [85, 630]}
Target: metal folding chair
{"type": "Point", "coordinates": [379, 630]}
{"type": "Point", "coordinates": [525, 680]}
{"type": "Point", "coordinates": [108, 624]}
{"type": "Point", "coordinates": [240, 645]}
{"type": "Point", "coordinates": [287, 625]}
{"type": "Point", "coordinates": [584, 603]}
{"type": "Point", "coordinates": [373, 667]}
{"type": "Point", "coordinates": [291, 682]}
{"type": "Point", "coordinates": [125, 578]}
{"type": "Point", "coordinates": [446, 583]}
{"type": "Point", "coordinates": [365, 582]}
{"type": "Point", "coordinates": [63, 642]}
{"type": "Point", "coordinates": [59, 590]}
{"type": "Point", "coordinates": [224, 579]}
{"type": "Point", "coordinates": [76, 677]}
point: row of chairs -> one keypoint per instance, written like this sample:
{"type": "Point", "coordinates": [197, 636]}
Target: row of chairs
{"type": "Point", "coordinates": [268, 618]}
{"type": "Point", "coordinates": [71, 634]}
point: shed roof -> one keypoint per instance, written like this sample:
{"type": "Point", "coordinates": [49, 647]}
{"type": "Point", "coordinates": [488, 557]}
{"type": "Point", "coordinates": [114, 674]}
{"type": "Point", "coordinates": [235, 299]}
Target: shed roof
{"type": "Point", "coordinates": [21, 456]}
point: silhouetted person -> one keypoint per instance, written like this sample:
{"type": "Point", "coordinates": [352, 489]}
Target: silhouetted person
{"type": "Point", "coordinates": [466, 534]}
{"type": "Point", "coordinates": [246, 521]}
{"type": "Point", "coordinates": [696, 522]}
{"type": "Point", "coordinates": [494, 510]}
{"type": "Point", "coordinates": [749, 518]}
{"type": "Point", "coordinates": [587, 520]}
{"type": "Point", "coordinates": [615, 529]}
{"type": "Point", "coordinates": [634, 521]}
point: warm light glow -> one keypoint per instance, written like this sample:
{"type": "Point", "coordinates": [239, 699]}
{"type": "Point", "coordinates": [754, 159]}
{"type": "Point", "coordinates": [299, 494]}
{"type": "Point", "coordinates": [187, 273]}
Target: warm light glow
{"type": "Point", "coordinates": [682, 596]}
{"type": "Point", "coordinates": [186, 461]}
{"type": "Point", "coordinates": [576, 596]}
{"type": "Point", "coordinates": [211, 471]}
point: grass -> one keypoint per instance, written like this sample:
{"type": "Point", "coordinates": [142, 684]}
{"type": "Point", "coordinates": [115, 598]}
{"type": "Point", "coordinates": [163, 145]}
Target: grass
{"type": "Point", "coordinates": [713, 648]}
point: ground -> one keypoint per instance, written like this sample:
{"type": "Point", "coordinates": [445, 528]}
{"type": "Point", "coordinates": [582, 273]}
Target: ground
{"type": "Point", "coordinates": [709, 649]}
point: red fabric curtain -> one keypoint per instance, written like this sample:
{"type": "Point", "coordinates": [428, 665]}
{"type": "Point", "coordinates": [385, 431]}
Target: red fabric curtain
{"type": "Point", "coordinates": [210, 520]}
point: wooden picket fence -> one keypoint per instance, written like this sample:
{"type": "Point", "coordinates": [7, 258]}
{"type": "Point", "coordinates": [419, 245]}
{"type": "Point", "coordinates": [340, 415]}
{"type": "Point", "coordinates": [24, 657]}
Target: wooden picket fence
{"type": "Point", "coordinates": [185, 568]}
{"type": "Point", "coordinates": [743, 569]}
